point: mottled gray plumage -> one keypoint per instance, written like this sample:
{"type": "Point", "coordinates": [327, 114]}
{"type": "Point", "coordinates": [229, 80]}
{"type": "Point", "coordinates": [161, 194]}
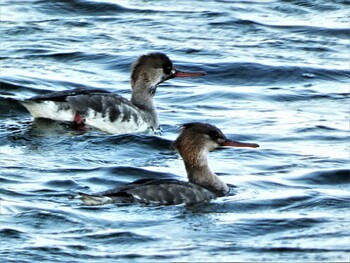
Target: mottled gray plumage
{"type": "Point", "coordinates": [165, 192]}
{"type": "Point", "coordinates": [106, 105]}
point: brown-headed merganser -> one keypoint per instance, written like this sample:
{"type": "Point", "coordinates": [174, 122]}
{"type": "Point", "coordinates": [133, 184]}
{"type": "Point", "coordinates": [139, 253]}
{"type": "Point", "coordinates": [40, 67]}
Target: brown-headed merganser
{"type": "Point", "coordinates": [194, 143]}
{"type": "Point", "coordinates": [108, 111]}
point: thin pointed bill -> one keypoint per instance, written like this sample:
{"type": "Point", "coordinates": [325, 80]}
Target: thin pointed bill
{"type": "Point", "coordinates": [183, 74]}
{"type": "Point", "coordinates": [239, 144]}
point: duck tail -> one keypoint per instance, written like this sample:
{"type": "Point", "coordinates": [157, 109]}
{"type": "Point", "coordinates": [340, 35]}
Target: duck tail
{"type": "Point", "coordinates": [92, 200]}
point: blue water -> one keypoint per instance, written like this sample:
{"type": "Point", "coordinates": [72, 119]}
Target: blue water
{"type": "Point", "coordinates": [277, 75]}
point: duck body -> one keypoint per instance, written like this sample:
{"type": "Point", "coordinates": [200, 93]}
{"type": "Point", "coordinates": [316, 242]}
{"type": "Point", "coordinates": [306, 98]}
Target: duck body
{"type": "Point", "coordinates": [108, 111]}
{"type": "Point", "coordinates": [152, 191]}
{"type": "Point", "coordinates": [193, 144]}
{"type": "Point", "coordinates": [104, 110]}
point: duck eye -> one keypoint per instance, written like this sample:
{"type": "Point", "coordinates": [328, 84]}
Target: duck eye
{"type": "Point", "coordinates": [214, 135]}
{"type": "Point", "coordinates": [167, 69]}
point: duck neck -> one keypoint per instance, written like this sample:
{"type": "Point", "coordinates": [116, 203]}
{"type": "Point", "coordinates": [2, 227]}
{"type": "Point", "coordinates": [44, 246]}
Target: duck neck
{"type": "Point", "coordinates": [199, 173]}
{"type": "Point", "coordinates": [142, 98]}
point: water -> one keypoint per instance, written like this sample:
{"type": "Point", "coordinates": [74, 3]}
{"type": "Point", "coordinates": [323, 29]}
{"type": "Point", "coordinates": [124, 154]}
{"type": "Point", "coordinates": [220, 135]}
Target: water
{"type": "Point", "coordinates": [278, 75]}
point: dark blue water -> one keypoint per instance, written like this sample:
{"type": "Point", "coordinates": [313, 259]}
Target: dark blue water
{"type": "Point", "coordinates": [277, 75]}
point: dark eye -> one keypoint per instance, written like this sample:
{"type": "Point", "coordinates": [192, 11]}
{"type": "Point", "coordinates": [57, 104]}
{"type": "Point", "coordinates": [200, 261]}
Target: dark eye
{"type": "Point", "coordinates": [167, 69]}
{"type": "Point", "coordinates": [214, 135]}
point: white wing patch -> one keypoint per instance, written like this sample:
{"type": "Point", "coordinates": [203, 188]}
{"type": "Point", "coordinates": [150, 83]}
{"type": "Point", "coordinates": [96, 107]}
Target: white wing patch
{"type": "Point", "coordinates": [50, 110]}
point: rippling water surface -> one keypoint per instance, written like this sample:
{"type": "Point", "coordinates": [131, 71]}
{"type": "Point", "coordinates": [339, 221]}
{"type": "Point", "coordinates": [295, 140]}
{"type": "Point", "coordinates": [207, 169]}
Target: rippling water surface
{"type": "Point", "coordinates": [277, 75]}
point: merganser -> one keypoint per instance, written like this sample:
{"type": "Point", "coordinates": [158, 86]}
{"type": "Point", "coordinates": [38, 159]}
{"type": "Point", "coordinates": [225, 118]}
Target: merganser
{"type": "Point", "coordinates": [193, 144]}
{"type": "Point", "coordinates": [108, 111]}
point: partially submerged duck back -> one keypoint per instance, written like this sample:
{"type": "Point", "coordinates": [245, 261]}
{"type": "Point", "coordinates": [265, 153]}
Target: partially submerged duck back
{"type": "Point", "coordinates": [161, 192]}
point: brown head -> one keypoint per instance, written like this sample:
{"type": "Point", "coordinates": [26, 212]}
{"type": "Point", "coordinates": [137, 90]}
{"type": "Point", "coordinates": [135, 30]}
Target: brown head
{"type": "Point", "coordinates": [154, 68]}
{"type": "Point", "coordinates": [197, 139]}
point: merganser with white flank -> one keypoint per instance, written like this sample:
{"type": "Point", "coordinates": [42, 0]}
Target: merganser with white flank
{"type": "Point", "coordinates": [194, 143]}
{"type": "Point", "coordinates": [108, 111]}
